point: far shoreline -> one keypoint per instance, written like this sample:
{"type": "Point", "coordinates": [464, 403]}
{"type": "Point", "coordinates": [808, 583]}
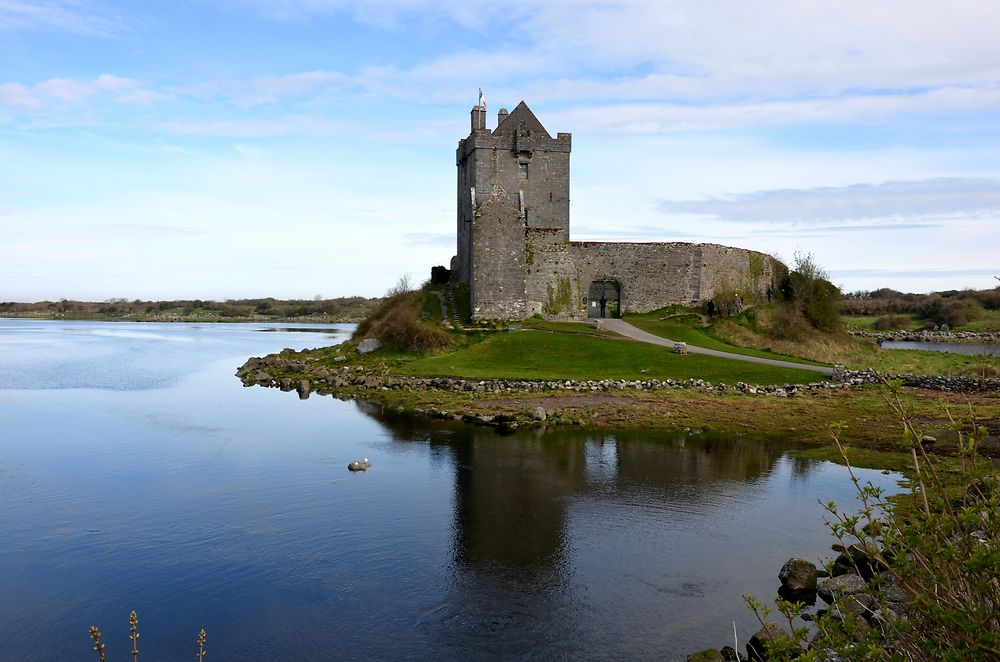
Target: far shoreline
{"type": "Point", "coordinates": [184, 319]}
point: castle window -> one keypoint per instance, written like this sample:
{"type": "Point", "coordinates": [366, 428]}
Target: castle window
{"type": "Point", "coordinates": [522, 170]}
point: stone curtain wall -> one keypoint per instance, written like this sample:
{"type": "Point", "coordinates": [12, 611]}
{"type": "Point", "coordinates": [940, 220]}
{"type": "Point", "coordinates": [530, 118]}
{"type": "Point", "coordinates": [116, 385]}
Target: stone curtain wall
{"type": "Point", "coordinates": [549, 263]}
{"type": "Point", "coordinates": [727, 269]}
{"type": "Point", "coordinates": [650, 275]}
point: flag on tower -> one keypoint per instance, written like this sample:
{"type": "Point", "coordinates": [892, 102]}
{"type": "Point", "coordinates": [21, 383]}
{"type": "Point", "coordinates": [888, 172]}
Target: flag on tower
{"type": "Point", "coordinates": [482, 98]}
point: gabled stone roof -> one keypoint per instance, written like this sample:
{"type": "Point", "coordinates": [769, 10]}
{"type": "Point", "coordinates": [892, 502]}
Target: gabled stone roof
{"type": "Point", "coordinates": [521, 114]}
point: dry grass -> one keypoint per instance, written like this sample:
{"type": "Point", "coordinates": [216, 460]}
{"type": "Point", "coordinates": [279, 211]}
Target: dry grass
{"type": "Point", "coordinates": [397, 324]}
{"type": "Point", "coordinates": [855, 353]}
{"type": "Point", "coordinates": [811, 344]}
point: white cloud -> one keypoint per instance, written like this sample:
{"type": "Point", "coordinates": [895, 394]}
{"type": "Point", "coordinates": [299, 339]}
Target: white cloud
{"type": "Point", "coordinates": [270, 89]}
{"type": "Point", "coordinates": [54, 15]}
{"type": "Point", "coordinates": [17, 95]}
{"type": "Point", "coordinates": [853, 109]}
{"type": "Point", "coordinates": [68, 91]}
{"type": "Point", "coordinates": [938, 199]}
{"type": "Point", "coordinates": [290, 125]}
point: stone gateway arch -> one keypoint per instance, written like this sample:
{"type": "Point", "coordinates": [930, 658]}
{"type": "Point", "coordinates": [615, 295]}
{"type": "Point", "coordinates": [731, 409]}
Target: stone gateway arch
{"type": "Point", "coordinates": [514, 250]}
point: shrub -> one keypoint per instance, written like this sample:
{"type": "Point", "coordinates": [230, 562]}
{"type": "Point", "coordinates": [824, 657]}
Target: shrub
{"type": "Point", "coordinates": [891, 322]}
{"type": "Point", "coordinates": [397, 325]}
{"type": "Point", "coordinates": [934, 559]}
{"type": "Point", "coordinates": [788, 323]}
{"type": "Point", "coordinates": [989, 299]}
{"type": "Point", "coordinates": [808, 299]}
{"type": "Point", "coordinates": [440, 275]}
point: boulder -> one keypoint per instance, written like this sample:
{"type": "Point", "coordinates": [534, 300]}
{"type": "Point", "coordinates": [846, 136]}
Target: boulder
{"type": "Point", "coordinates": [892, 590]}
{"type": "Point", "coordinates": [359, 465]}
{"type": "Point", "coordinates": [798, 575]}
{"type": "Point", "coordinates": [858, 604]}
{"type": "Point", "coordinates": [368, 345]}
{"type": "Point", "coordinates": [757, 646]}
{"type": "Point", "coordinates": [539, 414]}
{"type": "Point", "coordinates": [834, 587]}
{"type": "Point", "coordinates": [854, 560]}
{"type": "Point", "coordinates": [707, 655]}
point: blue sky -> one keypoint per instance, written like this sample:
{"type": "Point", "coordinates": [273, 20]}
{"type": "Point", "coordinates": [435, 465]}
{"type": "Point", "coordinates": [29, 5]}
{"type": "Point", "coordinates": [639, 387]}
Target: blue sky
{"type": "Point", "coordinates": [288, 148]}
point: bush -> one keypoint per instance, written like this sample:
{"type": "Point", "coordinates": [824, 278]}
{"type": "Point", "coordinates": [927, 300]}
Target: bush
{"type": "Point", "coordinates": [933, 557]}
{"type": "Point", "coordinates": [440, 275]}
{"type": "Point", "coordinates": [808, 296]}
{"type": "Point", "coordinates": [820, 305]}
{"type": "Point", "coordinates": [397, 325]}
{"type": "Point", "coordinates": [949, 307]}
{"type": "Point", "coordinates": [891, 322]}
{"type": "Point", "coordinates": [788, 322]}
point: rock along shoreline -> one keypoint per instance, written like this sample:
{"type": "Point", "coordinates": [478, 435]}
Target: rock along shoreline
{"type": "Point", "coordinates": [307, 377]}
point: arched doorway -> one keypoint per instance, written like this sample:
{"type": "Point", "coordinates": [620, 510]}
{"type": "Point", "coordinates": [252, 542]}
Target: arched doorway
{"type": "Point", "coordinates": [604, 299]}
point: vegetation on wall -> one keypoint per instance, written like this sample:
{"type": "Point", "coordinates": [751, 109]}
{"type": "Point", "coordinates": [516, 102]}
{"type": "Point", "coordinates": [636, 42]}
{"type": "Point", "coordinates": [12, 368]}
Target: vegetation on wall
{"type": "Point", "coordinates": [755, 271]}
{"type": "Point", "coordinates": [559, 299]}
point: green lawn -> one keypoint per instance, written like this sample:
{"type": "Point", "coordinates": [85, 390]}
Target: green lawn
{"type": "Point", "coordinates": [990, 321]}
{"type": "Point", "coordinates": [689, 329]}
{"type": "Point", "coordinates": [586, 354]}
{"type": "Point", "coordinates": [865, 322]}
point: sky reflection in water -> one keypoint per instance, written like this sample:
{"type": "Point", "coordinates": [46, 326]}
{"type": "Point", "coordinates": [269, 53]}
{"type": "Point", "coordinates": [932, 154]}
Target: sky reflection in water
{"type": "Point", "coordinates": [137, 473]}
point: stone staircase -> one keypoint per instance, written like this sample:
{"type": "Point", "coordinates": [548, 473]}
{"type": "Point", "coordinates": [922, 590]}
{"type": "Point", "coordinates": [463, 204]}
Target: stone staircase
{"type": "Point", "coordinates": [449, 310]}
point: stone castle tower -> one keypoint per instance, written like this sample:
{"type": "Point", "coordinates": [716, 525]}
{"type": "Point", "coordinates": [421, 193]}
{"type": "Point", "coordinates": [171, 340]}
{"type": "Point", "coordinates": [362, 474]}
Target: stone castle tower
{"type": "Point", "coordinates": [520, 164]}
{"type": "Point", "coordinates": [514, 249]}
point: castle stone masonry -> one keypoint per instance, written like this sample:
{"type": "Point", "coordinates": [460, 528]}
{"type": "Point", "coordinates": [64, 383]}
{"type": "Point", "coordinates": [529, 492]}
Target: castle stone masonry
{"type": "Point", "coordinates": [514, 250]}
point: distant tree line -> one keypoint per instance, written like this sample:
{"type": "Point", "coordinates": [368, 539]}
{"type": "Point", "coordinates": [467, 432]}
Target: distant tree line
{"type": "Point", "coordinates": [951, 307]}
{"type": "Point", "coordinates": [340, 309]}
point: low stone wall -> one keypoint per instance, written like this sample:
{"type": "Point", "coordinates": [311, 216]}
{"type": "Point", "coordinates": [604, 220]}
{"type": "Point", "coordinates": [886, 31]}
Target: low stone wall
{"type": "Point", "coordinates": [930, 336]}
{"type": "Point", "coordinates": [959, 384]}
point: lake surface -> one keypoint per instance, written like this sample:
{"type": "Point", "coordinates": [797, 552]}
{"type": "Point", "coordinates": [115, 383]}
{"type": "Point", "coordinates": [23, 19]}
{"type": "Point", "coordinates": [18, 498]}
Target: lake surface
{"type": "Point", "coordinates": [136, 472]}
{"type": "Point", "coordinates": [974, 349]}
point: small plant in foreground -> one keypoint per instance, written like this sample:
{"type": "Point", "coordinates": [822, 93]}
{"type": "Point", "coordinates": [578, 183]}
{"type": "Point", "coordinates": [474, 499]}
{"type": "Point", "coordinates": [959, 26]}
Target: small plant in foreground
{"type": "Point", "coordinates": [133, 623]}
{"type": "Point", "coordinates": [931, 558]}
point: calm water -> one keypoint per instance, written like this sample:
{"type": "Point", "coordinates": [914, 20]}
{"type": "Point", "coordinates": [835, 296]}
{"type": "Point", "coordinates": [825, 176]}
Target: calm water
{"type": "Point", "coordinates": [137, 473]}
{"type": "Point", "coordinates": [992, 349]}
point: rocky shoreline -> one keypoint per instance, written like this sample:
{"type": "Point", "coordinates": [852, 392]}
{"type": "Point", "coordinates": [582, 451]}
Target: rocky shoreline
{"type": "Point", "coordinates": [287, 373]}
{"type": "Point", "coordinates": [855, 585]}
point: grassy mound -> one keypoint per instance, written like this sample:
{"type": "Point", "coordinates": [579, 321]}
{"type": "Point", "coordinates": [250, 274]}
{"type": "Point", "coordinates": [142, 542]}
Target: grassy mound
{"type": "Point", "coordinates": [407, 322]}
{"type": "Point", "coordinates": [553, 353]}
